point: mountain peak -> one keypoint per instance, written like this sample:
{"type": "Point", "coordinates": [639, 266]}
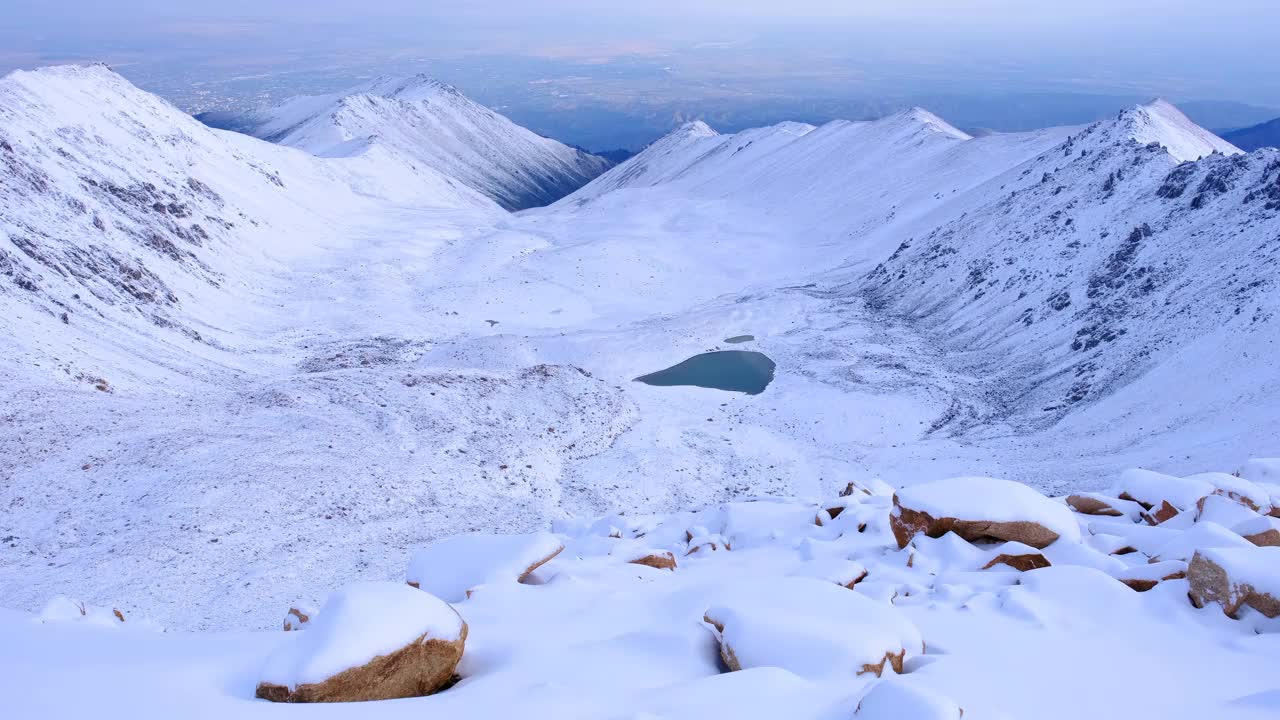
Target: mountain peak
{"type": "Point", "coordinates": [409, 89]}
{"type": "Point", "coordinates": [1163, 123]}
{"type": "Point", "coordinates": [428, 123]}
{"type": "Point", "coordinates": [694, 129]}
{"type": "Point", "coordinates": [919, 117]}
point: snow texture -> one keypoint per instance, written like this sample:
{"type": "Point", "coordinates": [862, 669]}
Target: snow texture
{"type": "Point", "coordinates": [449, 567]}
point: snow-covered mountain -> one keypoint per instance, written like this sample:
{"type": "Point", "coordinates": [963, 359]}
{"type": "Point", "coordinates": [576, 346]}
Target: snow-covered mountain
{"type": "Point", "coordinates": [1123, 253]}
{"type": "Point", "coordinates": [432, 124]}
{"type": "Point", "coordinates": [226, 362]}
{"type": "Point", "coordinates": [118, 209]}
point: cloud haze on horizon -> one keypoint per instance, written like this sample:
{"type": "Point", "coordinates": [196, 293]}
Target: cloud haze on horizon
{"type": "Point", "coordinates": [1185, 48]}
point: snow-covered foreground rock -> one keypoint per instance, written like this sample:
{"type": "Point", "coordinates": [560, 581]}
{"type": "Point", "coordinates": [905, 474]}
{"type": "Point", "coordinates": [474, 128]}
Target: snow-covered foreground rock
{"type": "Point", "coordinates": [761, 626]}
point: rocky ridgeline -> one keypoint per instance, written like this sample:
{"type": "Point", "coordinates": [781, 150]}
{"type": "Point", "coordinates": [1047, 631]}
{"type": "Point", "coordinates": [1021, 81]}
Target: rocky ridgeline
{"type": "Point", "coordinates": [820, 590]}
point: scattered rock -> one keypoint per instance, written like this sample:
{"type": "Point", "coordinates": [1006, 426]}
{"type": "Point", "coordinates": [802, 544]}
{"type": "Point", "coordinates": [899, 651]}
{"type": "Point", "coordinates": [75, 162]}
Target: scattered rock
{"type": "Point", "coordinates": [663, 560]}
{"type": "Point", "coordinates": [1202, 535]}
{"type": "Point", "coordinates": [980, 509]}
{"type": "Point", "coordinates": [1152, 489]}
{"type": "Point", "coordinates": [1019, 557]}
{"type": "Point", "coordinates": [1235, 578]}
{"type": "Point", "coordinates": [1146, 576]}
{"type": "Point", "coordinates": [449, 567]}
{"type": "Point", "coordinates": [1095, 504]}
{"type": "Point", "coordinates": [811, 628]}
{"type": "Point", "coordinates": [373, 641]}
{"type": "Point", "coordinates": [1261, 531]}
{"type": "Point", "coordinates": [299, 617]}
{"type": "Point", "coordinates": [1162, 513]}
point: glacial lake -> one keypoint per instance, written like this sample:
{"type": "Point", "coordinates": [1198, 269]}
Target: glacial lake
{"type": "Point", "coordinates": [732, 370]}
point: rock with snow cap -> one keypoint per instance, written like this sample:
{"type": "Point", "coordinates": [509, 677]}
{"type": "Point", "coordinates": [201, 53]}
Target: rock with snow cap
{"type": "Point", "coordinates": [1263, 531]}
{"type": "Point", "coordinates": [981, 509]}
{"type": "Point", "coordinates": [1235, 578]}
{"type": "Point", "coordinates": [1153, 490]}
{"type": "Point", "coordinates": [373, 641]}
{"type": "Point", "coordinates": [299, 617]}
{"type": "Point", "coordinates": [1104, 505]}
{"type": "Point", "coordinates": [449, 567]}
{"type": "Point", "coordinates": [811, 628]}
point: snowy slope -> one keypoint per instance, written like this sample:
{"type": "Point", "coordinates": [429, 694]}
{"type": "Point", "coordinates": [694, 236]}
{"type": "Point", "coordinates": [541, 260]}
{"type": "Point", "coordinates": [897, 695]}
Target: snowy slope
{"type": "Point", "coordinates": [846, 186]}
{"type": "Point", "coordinates": [117, 208]}
{"type": "Point", "coordinates": [431, 124]}
{"type": "Point", "coordinates": [798, 596]}
{"type": "Point", "coordinates": [1117, 258]}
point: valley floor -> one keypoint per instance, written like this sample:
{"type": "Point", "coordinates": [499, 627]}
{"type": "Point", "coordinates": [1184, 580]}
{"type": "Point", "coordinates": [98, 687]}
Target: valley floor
{"type": "Point", "coordinates": [423, 373]}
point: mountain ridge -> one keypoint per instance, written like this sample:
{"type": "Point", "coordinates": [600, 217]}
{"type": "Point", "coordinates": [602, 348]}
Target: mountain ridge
{"type": "Point", "coordinates": [431, 123]}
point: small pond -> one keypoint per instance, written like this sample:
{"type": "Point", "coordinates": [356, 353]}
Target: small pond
{"type": "Point", "coordinates": [733, 370]}
{"type": "Point", "coordinates": [736, 339]}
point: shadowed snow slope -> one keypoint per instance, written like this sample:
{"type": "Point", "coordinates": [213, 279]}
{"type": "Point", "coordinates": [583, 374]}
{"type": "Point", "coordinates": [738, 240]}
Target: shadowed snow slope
{"type": "Point", "coordinates": [234, 375]}
{"type": "Point", "coordinates": [431, 124]}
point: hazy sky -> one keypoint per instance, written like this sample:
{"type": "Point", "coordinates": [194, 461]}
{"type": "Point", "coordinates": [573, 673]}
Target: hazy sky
{"type": "Point", "coordinates": [1213, 49]}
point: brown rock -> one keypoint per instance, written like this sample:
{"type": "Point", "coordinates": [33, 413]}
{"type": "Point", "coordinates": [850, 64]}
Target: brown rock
{"type": "Point", "coordinates": [1266, 538]}
{"type": "Point", "coordinates": [1210, 582]}
{"type": "Point", "coordinates": [295, 619]}
{"type": "Point", "coordinates": [524, 576]}
{"type": "Point", "coordinates": [1140, 585]}
{"type": "Point", "coordinates": [1092, 506]}
{"type": "Point", "coordinates": [906, 523]}
{"type": "Point", "coordinates": [422, 667]}
{"type": "Point", "coordinates": [1021, 563]}
{"type": "Point", "coordinates": [826, 515]}
{"type": "Point", "coordinates": [856, 580]}
{"type": "Point", "coordinates": [851, 488]}
{"type": "Point", "coordinates": [1130, 498]}
{"type": "Point", "coordinates": [893, 660]}
{"type": "Point", "coordinates": [1161, 514]}
{"type": "Point", "coordinates": [661, 561]}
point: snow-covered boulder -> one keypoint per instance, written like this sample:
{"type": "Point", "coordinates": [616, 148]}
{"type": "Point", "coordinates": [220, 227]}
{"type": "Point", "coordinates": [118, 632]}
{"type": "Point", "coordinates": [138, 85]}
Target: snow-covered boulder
{"type": "Point", "coordinates": [1239, 489]}
{"type": "Point", "coordinates": [1152, 489]}
{"type": "Point", "coordinates": [1204, 535]}
{"type": "Point", "coordinates": [838, 570]}
{"type": "Point", "coordinates": [1104, 505]}
{"type": "Point", "coordinates": [449, 567]}
{"type": "Point", "coordinates": [1223, 510]}
{"type": "Point", "coordinates": [1236, 577]}
{"type": "Point", "coordinates": [659, 559]}
{"type": "Point", "coordinates": [1261, 531]}
{"type": "Point", "coordinates": [1144, 576]}
{"type": "Point", "coordinates": [299, 617]}
{"type": "Point", "coordinates": [812, 628]}
{"type": "Point", "coordinates": [372, 641]}
{"type": "Point", "coordinates": [901, 699]}
{"type": "Point", "coordinates": [1018, 556]}
{"type": "Point", "coordinates": [981, 509]}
